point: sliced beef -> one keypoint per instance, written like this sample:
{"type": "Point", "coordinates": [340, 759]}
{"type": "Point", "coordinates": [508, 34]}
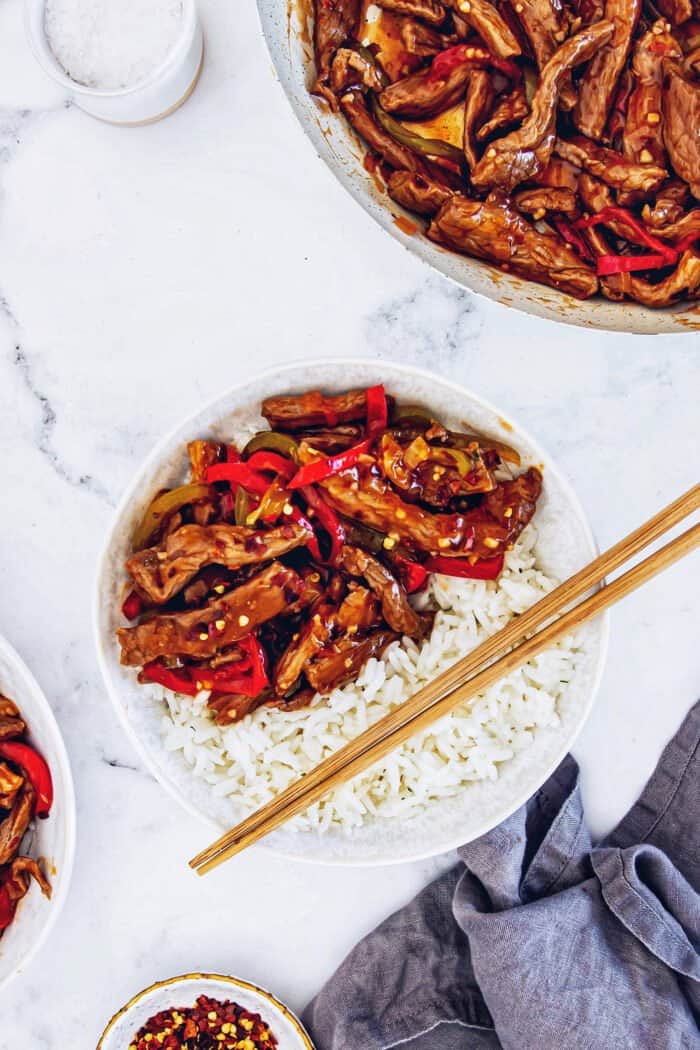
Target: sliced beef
{"type": "Point", "coordinates": [361, 494]}
{"type": "Point", "coordinates": [343, 660]}
{"type": "Point", "coordinates": [14, 825]}
{"type": "Point", "coordinates": [477, 105]}
{"type": "Point", "coordinates": [493, 230]}
{"type": "Point", "coordinates": [396, 608]}
{"type": "Point", "coordinates": [428, 11]}
{"type": "Point", "coordinates": [509, 110]}
{"type": "Point", "coordinates": [202, 455]}
{"type": "Point", "coordinates": [314, 409]}
{"type": "Point", "coordinates": [203, 632]}
{"type": "Point", "coordinates": [681, 108]}
{"type": "Point", "coordinates": [332, 439]}
{"type": "Point", "coordinates": [487, 21]}
{"type": "Point", "coordinates": [416, 192]}
{"type": "Point", "coordinates": [229, 708]}
{"type": "Point", "coordinates": [160, 572]}
{"type": "Point", "coordinates": [420, 95]}
{"type": "Point", "coordinates": [419, 39]}
{"type": "Point", "coordinates": [643, 137]}
{"type": "Point", "coordinates": [10, 784]}
{"type": "Point", "coordinates": [545, 199]}
{"type": "Point", "coordinates": [610, 166]}
{"type": "Point", "coordinates": [546, 26]}
{"type": "Point", "coordinates": [683, 283]}
{"type": "Point", "coordinates": [524, 152]}
{"type": "Point", "coordinates": [513, 503]}
{"type": "Point", "coordinates": [351, 69]}
{"type": "Point", "coordinates": [11, 724]}
{"type": "Point", "coordinates": [335, 22]}
{"type": "Point", "coordinates": [596, 89]}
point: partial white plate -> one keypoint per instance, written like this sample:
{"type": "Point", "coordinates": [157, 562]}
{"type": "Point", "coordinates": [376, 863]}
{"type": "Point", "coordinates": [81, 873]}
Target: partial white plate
{"type": "Point", "coordinates": [181, 992]}
{"type": "Point", "coordinates": [564, 545]}
{"type": "Point", "coordinates": [288, 31]}
{"type": "Point", "coordinates": [53, 839]}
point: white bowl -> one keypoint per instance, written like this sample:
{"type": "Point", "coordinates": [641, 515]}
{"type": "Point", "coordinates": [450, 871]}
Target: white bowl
{"type": "Point", "coordinates": [163, 91]}
{"type": "Point", "coordinates": [565, 544]}
{"type": "Point", "coordinates": [287, 28]}
{"type": "Point", "coordinates": [54, 838]}
{"type": "Point", "coordinates": [183, 991]}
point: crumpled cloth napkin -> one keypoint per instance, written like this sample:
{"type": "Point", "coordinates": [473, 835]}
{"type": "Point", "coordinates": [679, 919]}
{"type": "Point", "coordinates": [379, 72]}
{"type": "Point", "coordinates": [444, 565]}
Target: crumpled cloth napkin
{"type": "Point", "coordinates": [539, 940]}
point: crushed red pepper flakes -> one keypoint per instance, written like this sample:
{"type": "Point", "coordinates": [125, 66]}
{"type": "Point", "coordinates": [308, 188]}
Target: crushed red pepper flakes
{"type": "Point", "coordinates": [209, 1025]}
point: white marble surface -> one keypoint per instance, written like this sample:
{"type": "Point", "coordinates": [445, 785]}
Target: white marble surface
{"type": "Point", "coordinates": [141, 271]}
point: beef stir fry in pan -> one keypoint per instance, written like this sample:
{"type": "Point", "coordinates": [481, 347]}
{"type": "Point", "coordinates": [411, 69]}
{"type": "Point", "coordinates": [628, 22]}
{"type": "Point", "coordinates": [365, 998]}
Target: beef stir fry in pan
{"type": "Point", "coordinates": [559, 141]}
{"type": "Point", "coordinates": [25, 792]}
{"type": "Point", "coordinates": [280, 568]}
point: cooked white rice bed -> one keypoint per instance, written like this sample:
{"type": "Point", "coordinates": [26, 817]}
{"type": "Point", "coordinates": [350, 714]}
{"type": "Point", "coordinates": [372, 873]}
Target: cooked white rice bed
{"type": "Point", "coordinates": [251, 762]}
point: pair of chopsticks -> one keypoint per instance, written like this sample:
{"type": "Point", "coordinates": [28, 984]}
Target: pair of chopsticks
{"type": "Point", "coordinates": [551, 618]}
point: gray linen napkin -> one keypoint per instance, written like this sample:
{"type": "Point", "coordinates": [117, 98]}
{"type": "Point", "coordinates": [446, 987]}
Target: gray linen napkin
{"type": "Point", "coordinates": [539, 940]}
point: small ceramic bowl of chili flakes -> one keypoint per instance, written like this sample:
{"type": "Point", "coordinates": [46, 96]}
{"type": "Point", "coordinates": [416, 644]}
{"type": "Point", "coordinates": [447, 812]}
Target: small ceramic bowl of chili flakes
{"type": "Point", "coordinates": [203, 1012]}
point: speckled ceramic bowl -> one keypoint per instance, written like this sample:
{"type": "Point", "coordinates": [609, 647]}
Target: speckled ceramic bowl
{"type": "Point", "coordinates": [564, 545]}
{"type": "Point", "coordinates": [52, 839]}
{"type": "Point", "coordinates": [183, 991]}
{"type": "Point", "coordinates": [287, 27]}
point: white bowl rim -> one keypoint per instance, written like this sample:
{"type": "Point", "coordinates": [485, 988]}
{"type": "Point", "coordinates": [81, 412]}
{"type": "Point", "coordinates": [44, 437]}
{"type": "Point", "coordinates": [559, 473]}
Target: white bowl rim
{"type": "Point", "coordinates": [41, 49]}
{"type": "Point", "coordinates": [226, 981]}
{"type": "Point", "coordinates": [155, 456]}
{"type": "Point", "coordinates": [59, 892]}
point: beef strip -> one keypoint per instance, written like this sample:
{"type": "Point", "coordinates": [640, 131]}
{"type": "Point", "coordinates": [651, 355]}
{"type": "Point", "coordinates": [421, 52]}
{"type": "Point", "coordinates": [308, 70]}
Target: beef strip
{"type": "Point", "coordinates": [335, 22]}
{"type": "Point", "coordinates": [420, 95]}
{"type": "Point", "coordinates": [417, 192]}
{"type": "Point", "coordinates": [202, 455]}
{"type": "Point", "coordinates": [677, 11]}
{"type": "Point", "coordinates": [351, 69]}
{"type": "Point", "coordinates": [359, 117]}
{"type": "Point", "coordinates": [642, 137]}
{"type": "Point", "coordinates": [669, 205]}
{"type": "Point", "coordinates": [477, 105]}
{"type": "Point", "coordinates": [525, 151]}
{"type": "Point", "coordinates": [195, 633]}
{"type": "Point", "coordinates": [558, 174]}
{"type": "Point", "coordinates": [546, 26]}
{"type": "Point", "coordinates": [610, 166]}
{"type": "Point", "coordinates": [396, 608]}
{"type": "Point", "coordinates": [11, 727]}
{"type": "Point", "coordinates": [510, 109]}
{"type": "Point", "coordinates": [306, 643]}
{"type": "Point", "coordinates": [427, 10]}
{"type": "Point", "coordinates": [494, 231]}
{"type": "Point", "coordinates": [229, 708]}
{"type": "Point", "coordinates": [343, 660]}
{"type": "Point", "coordinates": [17, 878]}
{"type": "Point", "coordinates": [683, 283]}
{"type": "Point", "coordinates": [513, 503]}
{"type": "Point", "coordinates": [314, 409]}
{"type": "Point", "coordinates": [539, 202]}
{"type": "Point", "coordinates": [160, 572]}
{"type": "Point", "coordinates": [14, 825]}
{"type": "Point", "coordinates": [676, 231]}
{"type": "Point", "coordinates": [486, 20]}
{"type": "Point", "coordinates": [332, 439]}
{"type": "Point", "coordinates": [360, 493]}
{"type": "Point", "coordinates": [422, 41]}
{"type": "Point", "coordinates": [430, 474]}
{"type": "Point", "coordinates": [596, 89]}
{"type": "Point", "coordinates": [681, 109]}
{"type": "Point", "coordinates": [10, 784]}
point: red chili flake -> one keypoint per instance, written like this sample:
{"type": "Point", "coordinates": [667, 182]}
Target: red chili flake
{"type": "Point", "coordinates": [207, 1025]}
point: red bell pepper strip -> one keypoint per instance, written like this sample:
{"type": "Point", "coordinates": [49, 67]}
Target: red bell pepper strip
{"type": "Point", "coordinates": [8, 907]}
{"type": "Point", "coordinates": [377, 410]}
{"type": "Point", "coordinates": [255, 651]}
{"type": "Point", "coordinates": [312, 542]}
{"type": "Point", "coordinates": [273, 462]}
{"type": "Point", "coordinates": [178, 681]}
{"type": "Point", "coordinates": [414, 576]}
{"type": "Point", "coordinates": [468, 54]}
{"type": "Point", "coordinates": [319, 469]}
{"type": "Point", "coordinates": [328, 519]}
{"type": "Point", "coordinates": [239, 474]}
{"type": "Point", "coordinates": [232, 454]}
{"type": "Point", "coordinates": [247, 676]}
{"type": "Point", "coordinates": [611, 264]}
{"type": "Point", "coordinates": [639, 235]}
{"type": "Point", "coordinates": [572, 236]}
{"type": "Point", "coordinates": [487, 569]}
{"type": "Point", "coordinates": [133, 606]}
{"type": "Point", "coordinates": [36, 769]}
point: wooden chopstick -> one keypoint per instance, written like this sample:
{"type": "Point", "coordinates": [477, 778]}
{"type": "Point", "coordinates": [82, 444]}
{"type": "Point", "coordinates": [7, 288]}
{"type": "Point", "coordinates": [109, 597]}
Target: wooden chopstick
{"type": "Point", "coordinates": [450, 689]}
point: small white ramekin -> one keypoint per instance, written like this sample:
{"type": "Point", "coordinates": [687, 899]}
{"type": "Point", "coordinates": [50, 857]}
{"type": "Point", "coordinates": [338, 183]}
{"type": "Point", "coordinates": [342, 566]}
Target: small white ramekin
{"type": "Point", "coordinates": [167, 87]}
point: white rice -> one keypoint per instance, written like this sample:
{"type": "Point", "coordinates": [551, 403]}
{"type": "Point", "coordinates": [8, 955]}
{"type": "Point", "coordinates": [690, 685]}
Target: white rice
{"type": "Point", "coordinates": [252, 761]}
